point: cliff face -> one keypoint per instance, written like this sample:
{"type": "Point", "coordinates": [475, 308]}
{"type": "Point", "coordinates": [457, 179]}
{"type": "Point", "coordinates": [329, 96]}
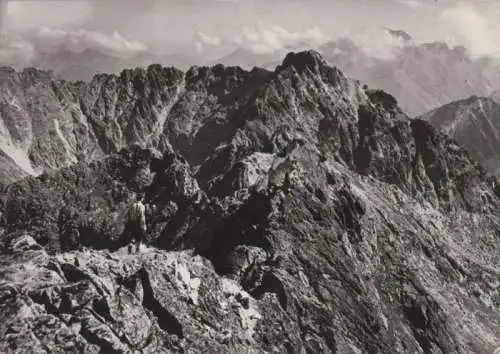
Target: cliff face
{"type": "Point", "coordinates": [49, 123]}
{"type": "Point", "coordinates": [290, 211]}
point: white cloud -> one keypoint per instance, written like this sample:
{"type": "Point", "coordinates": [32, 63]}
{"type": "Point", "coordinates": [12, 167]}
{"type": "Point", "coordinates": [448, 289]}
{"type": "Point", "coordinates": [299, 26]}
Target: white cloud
{"type": "Point", "coordinates": [205, 38]}
{"type": "Point", "coordinates": [16, 52]}
{"type": "Point", "coordinates": [380, 44]}
{"type": "Point", "coordinates": [414, 4]}
{"type": "Point", "coordinates": [467, 26]}
{"type": "Point", "coordinates": [79, 40]}
{"type": "Point", "coordinates": [31, 15]}
{"type": "Point", "coordinates": [264, 39]}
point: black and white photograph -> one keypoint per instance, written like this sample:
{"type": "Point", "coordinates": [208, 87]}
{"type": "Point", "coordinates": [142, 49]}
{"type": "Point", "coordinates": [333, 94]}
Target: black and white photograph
{"type": "Point", "coordinates": [250, 176]}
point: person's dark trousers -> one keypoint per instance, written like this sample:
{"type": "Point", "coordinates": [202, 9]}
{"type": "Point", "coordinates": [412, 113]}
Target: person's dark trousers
{"type": "Point", "coordinates": [139, 237]}
{"type": "Point", "coordinates": [135, 234]}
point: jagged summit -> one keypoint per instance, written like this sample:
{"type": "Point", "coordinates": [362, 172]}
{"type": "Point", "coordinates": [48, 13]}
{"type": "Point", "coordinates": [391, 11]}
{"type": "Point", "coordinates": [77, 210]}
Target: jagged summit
{"type": "Point", "coordinates": [308, 59]}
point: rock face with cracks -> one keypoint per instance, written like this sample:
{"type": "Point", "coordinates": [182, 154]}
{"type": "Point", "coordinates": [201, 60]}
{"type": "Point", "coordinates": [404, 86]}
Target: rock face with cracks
{"type": "Point", "coordinates": [97, 301]}
{"type": "Point", "coordinates": [305, 213]}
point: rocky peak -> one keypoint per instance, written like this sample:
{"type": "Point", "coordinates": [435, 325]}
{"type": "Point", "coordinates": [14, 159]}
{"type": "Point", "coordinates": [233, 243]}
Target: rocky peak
{"type": "Point", "coordinates": [301, 61]}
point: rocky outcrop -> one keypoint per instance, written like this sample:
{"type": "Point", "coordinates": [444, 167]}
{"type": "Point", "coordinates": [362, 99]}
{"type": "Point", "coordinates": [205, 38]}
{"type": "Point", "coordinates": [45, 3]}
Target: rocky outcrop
{"type": "Point", "coordinates": [319, 218]}
{"type": "Point", "coordinates": [97, 301]}
{"type": "Point", "coordinates": [473, 123]}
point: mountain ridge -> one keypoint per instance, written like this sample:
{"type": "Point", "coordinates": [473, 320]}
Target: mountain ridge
{"type": "Point", "coordinates": [423, 76]}
{"type": "Point", "coordinates": [288, 211]}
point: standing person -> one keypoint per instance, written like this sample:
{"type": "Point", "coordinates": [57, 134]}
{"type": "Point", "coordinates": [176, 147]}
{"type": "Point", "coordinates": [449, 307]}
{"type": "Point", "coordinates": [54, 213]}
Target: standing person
{"type": "Point", "coordinates": [136, 223]}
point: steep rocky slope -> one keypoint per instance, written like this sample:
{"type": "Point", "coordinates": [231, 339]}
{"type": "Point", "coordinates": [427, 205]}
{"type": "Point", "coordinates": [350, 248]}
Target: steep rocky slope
{"type": "Point", "coordinates": [474, 123]}
{"type": "Point", "coordinates": [308, 215]}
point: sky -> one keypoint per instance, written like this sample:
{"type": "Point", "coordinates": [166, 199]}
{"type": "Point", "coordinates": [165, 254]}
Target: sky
{"type": "Point", "coordinates": [217, 26]}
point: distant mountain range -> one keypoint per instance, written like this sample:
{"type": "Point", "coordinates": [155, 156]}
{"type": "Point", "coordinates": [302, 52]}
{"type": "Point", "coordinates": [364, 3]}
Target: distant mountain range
{"type": "Point", "coordinates": [73, 66]}
{"type": "Point", "coordinates": [421, 77]}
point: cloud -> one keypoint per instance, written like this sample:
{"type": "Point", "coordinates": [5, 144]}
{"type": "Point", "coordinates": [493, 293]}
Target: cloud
{"type": "Point", "coordinates": [414, 4]}
{"type": "Point", "coordinates": [81, 39]}
{"type": "Point", "coordinates": [260, 39]}
{"type": "Point", "coordinates": [468, 27]}
{"type": "Point", "coordinates": [264, 39]}
{"type": "Point", "coordinates": [205, 38]}
{"type": "Point", "coordinates": [380, 44]}
{"type": "Point", "coordinates": [27, 16]}
{"type": "Point", "coordinates": [16, 52]}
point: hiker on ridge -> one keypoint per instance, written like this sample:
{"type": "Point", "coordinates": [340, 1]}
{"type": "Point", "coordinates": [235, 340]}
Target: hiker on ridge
{"type": "Point", "coordinates": [136, 223]}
